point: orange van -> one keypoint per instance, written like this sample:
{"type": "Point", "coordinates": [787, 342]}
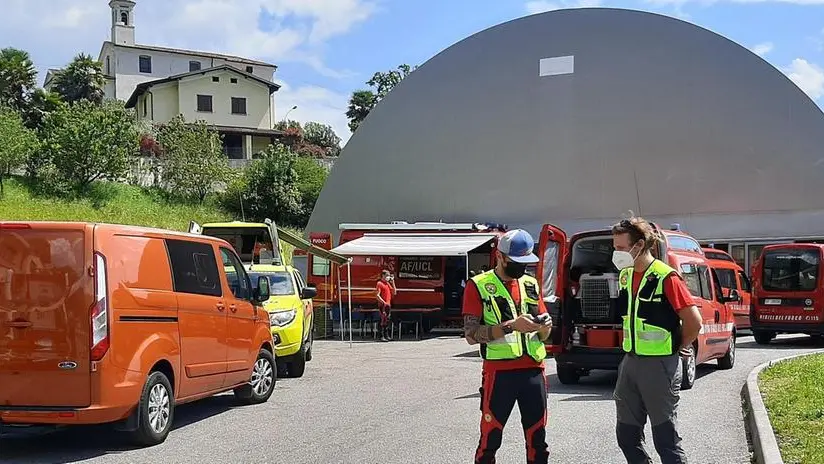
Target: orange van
{"type": "Point", "coordinates": [735, 285]}
{"type": "Point", "coordinates": [115, 324]}
{"type": "Point", "coordinates": [579, 285]}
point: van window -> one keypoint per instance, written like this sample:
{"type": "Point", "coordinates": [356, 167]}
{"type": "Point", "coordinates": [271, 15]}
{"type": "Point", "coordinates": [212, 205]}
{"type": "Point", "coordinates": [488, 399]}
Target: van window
{"type": "Point", "coordinates": [320, 266]}
{"type": "Point", "coordinates": [691, 278]}
{"type": "Point", "coordinates": [679, 242]}
{"type": "Point", "coordinates": [726, 277]}
{"type": "Point", "coordinates": [792, 270]}
{"type": "Point", "coordinates": [719, 256]}
{"type": "Point", "coordinates": [236, 275]}
{"type": "Point", "coordinates": [704, 279]}
{"type": "Point", "coordinates": [719, 295]}
{"type": "Point", "coordinates": [253, 245]}
{"type": "Point", "coordinates": [745, 282]}
{"type": "Point", "coordinates": [194, 268]}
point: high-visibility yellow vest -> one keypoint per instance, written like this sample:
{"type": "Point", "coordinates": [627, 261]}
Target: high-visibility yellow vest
{"type": "Point", "coordinates": [651, 325]}
{"type": "Point", "coordinates": [493, 295]}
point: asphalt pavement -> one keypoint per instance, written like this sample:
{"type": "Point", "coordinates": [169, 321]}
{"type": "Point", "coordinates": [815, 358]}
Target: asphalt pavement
{"type": "Point", "coordinates": [408, 402]}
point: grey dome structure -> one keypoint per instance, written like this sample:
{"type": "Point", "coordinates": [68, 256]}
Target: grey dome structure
{"type": "Point", "coordinates": [576, 116]}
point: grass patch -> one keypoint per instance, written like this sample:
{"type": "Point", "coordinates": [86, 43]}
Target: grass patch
{"type": "Point", "coordinates": [106, 202]}
{"type": "Point", "coordinates": [113, 203]}
{"type": "Point", "coordinates": [794, 395]}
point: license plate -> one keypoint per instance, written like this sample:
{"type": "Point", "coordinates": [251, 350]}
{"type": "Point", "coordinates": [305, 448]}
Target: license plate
{"type": "Point", "coordinates": [772, 301]}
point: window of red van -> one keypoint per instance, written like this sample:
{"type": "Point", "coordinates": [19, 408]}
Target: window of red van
{"type": "Point", "coordinates": [791, 270]}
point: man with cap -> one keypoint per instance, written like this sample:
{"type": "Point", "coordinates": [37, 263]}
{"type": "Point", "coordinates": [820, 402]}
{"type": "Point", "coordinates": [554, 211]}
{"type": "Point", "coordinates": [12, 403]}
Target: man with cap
{"type": "Point", "coordinates": [504, 313]}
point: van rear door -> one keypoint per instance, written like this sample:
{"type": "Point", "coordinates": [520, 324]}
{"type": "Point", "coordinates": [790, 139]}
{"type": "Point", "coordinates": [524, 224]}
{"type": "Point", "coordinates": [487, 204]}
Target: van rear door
{"type": "Point", "coordinates": [46, 299]}
{"type": "Point", "coordinates": [552, 249]}
{"type": "Point", "coordinates": [790, 289]}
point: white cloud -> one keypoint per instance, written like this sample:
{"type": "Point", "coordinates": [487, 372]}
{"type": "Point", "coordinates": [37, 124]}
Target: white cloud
{"type": "Point", "coordinates": [314, 104]}
{"type": "Point", "coordinates": [711, 2]}
{"type": "Point", "coordinates": [807, 76]}
{"type": "Point", "coordinates": [763, 48]}
{"type": "Point", "coordinates": [541, 6]}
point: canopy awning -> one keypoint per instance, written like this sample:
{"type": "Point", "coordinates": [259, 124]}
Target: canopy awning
{"type": "Point", "coordinates": [413, 244]}
{"type": "Point", "coordinates": [300, 243]}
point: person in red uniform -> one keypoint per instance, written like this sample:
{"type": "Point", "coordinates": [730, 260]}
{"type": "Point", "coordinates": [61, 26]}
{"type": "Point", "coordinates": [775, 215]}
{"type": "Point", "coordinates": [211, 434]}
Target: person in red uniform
{"type": "Point", "coordinates": [384, 292]}
{"type": "Point", "coordinates": [505, 382]}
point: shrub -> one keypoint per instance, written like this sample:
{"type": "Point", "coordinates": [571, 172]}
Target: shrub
{"type": "Point", "coordinates": [193, 163]}
{"type": "Point", "coordinates": [17, 143]}
{"type": "Point", "coordinates": [85, 142]}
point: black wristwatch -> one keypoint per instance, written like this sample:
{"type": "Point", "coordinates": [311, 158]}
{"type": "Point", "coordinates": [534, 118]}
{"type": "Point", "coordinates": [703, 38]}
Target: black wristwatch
{"type": "Point", "coordinates": [507, 328]}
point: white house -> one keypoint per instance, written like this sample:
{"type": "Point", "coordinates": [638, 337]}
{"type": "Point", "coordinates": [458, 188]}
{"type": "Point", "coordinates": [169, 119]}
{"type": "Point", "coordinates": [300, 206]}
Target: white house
{"type": "Point", "coordinates": [232, 93]}
{"type": "Point", "coordinates": [236, 103]}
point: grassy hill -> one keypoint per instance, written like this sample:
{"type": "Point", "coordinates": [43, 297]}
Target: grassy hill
{"type": "Point", "coordinates": [110, 202]}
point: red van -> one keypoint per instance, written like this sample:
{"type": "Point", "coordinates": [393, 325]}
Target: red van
{"type": "Point", "coordinates": [734, 283]}
{"type": "Point", "coordinates": [580, 288]}
{"type": "Point", "coordinates": [788, 296]}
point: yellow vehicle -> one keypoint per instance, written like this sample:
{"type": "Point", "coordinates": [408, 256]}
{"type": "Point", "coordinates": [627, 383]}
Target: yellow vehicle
{"type": "Point", "coordinates": [290, 303]}
{"type": "Point", "coordinates": [290, 315]}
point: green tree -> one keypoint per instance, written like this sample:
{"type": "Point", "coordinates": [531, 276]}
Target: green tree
{"type": "Point", "coordinates": [193, 162]}
{"type": "Point", "coordinates": [17, 143]}
{"type": "Point", "coordinates": [322, 135]}
{"type": "Point", "coordinates": [360, 105]}
{"type": "Point", "coordinates": [81, 80]}
{"type": "Point", "coordinates": [311, 177]}
{"type": "Point", "coordinates": [86, 142]}
{"type": "Point", "coordinates": [17, 78]}
{"type": "Point", "coordinates": [363, 101]}
{"type": "Point", "coordinates": [41, 104]}
{"type": "Point", "coordinates": [271, 187]}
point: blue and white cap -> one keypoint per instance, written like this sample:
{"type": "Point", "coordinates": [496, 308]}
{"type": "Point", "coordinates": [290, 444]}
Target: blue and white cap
{"type": "Point", "coordinates": [517, 245]}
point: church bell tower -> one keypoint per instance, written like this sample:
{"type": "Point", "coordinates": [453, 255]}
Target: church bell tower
{"type": "Point", "coordinates": [122, 22]}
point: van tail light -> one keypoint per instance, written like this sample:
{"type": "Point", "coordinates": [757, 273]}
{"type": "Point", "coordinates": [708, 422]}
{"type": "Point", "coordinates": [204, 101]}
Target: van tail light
{"type": "Point", "coordinates": [100, 311]}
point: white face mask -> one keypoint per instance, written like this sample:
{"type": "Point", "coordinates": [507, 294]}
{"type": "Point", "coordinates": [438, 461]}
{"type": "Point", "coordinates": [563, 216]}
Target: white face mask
{"type": "Point", "coordinates": [623, 259]}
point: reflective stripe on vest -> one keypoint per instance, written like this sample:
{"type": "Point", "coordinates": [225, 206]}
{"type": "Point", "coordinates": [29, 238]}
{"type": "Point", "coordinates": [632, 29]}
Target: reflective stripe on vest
{"type": "Point", "coordinates": [642, 338]}
{"type": "Point", "coordinates": [512, 345]}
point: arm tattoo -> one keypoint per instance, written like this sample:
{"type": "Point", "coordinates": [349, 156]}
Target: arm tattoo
{"type": "Point", "coordinates": [475, 331]}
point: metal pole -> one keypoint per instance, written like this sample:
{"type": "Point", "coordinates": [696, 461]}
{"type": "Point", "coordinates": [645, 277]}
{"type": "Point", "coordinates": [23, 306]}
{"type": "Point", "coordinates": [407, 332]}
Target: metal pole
{"type": "Point", "coordinates": [340, 304]}
{"type": "Point", "coordinates": [349, 285]}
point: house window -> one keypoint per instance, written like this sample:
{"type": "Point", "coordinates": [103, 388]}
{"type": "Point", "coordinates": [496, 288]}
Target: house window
{"type": "Point", "coordinates": [204, 103]}
{"type": "Point", "coordinates": [238, 105]}
{"type": "Point", "coordinates": [233, 80]}
{"type": "Point", "coordinates": [215, 79]}
{"type": "Point", "coordinates": [145, 107]}
{"type": "Point", "coordinates": [250, 69]}
{"type": "Point", "coordinates": [108, 65]}
{"type": "Point", "coordinates": [194, 66]}
{"type": "Point", "coordinates": [145, 64]}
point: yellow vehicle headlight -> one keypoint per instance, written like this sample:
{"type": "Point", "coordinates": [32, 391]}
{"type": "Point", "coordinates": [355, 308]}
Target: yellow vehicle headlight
{"type": "Point", "coordinates": [282, 318]}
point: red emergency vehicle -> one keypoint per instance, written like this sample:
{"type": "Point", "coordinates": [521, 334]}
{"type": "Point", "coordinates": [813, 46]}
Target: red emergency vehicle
{"type": "Point", "coordinates": [580, 289]}
{"type": "Point", "coordinates": [788, 293]}
{"type": "Point", "coordinates": [430, 261]}
{"type": "Point", "coordinates": [734, 282]}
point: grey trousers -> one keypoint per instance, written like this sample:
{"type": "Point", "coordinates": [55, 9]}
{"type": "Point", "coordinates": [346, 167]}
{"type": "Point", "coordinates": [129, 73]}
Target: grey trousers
{"type": "Point", "coordinates": [649, 386]}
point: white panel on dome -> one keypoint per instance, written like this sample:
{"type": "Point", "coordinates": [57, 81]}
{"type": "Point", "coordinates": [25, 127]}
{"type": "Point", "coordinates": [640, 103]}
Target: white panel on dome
{"type": "Point", "coordinates": [556, 66]}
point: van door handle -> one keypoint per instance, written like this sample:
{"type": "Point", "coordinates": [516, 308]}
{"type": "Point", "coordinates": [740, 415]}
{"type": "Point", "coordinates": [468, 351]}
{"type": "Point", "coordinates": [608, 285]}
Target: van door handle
{"type": "Point", "coordinates": [20, 324]}
{"type": "Point", "coordinates": [233, 308]}
{"type": "Point", "coordinates": [221, 307]}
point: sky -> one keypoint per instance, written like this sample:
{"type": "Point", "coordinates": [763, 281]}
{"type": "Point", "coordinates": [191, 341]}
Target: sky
{"type": "Point", "coordinates": [325, 49]}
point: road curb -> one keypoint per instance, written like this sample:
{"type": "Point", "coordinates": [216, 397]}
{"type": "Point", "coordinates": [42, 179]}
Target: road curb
{"type": "Point", "coordinates": [764, 444]}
